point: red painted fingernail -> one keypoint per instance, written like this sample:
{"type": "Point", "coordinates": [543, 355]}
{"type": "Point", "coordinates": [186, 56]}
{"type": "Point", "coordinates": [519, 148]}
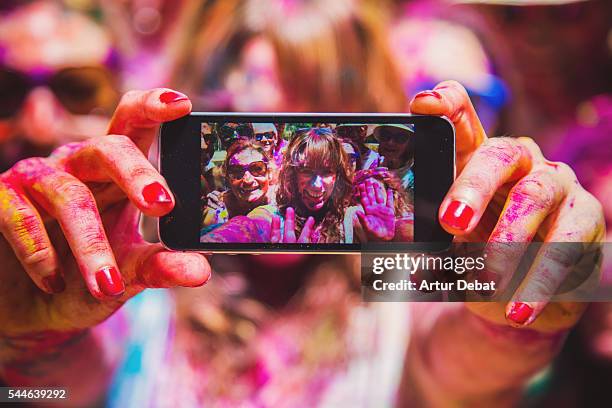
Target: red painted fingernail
{"type": "Point", "coordinates": [155, 193]}
{"type": "Point", "coordinates": [54, 283]}
{"type": "Point", "coordinates": [458, 215]}
{"type": "Point", "coordinates": [110, 281]}
{"type": "Point", "coordinates": [423, 94]}
{"type": "Point", "coordinates": [172, 97]}
{"type": "Point", "coordinates": [520, 312]}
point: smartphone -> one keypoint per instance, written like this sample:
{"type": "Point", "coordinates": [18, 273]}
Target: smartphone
{"type": "Point", "coordinates": [339, 183]}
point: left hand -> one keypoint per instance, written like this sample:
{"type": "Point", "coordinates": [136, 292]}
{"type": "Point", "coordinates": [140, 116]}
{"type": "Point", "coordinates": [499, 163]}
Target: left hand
{"type": "Point", "coordinates": [506, 191]}
{"type": "Point", "coordinates": [378, 215]}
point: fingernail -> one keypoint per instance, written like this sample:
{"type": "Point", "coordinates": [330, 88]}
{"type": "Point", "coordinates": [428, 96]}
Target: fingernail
{"type": "Point", "coordinates": [520, 312]}
{"type": "Point", "coordinates": [155, 193]}
{"type": "Point", "coordinates": [172, 97]}
{"type": "Point", "coordinates": [110, 282]}
{"type": "Point", "coordinates": [458, 215]}
{"type": "Point", "coordinates": [423, 94]}
{"type": "Point", "coordinates": [54, 283]}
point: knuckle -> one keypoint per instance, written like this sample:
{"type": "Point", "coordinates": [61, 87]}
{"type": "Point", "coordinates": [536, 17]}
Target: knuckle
{"type": "Point", "coordinates": [28, 166]}
{"type": "Point", "coordinates": [129, 97]}
{"type": "Point", "coordinates": [33, 259]}
{"type": "Point", "coordinates": [502, 149]}
{"type": "Point", "coordinates": [96, 243]}
{"type": "Point", "coordinates": [535, 190]}
{"type": "Point", "coordinates": [476, 181]}
{"type": "Point", "coordinates": [74, 190]}
{"type": "Point", "coordinates": [138, 172]}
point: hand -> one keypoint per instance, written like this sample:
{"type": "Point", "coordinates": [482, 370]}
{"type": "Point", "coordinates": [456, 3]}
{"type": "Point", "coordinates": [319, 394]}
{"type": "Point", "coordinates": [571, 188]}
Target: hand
{"type": "Point", "coordinates": [214, 200]}
{"type": "Point", "coordinates": [288, 235]}
{"type": "Point", "coordinates": [507, 191]}
{"type": "Point", "coordinates": [378, 214]}
{"type": "Point", "coordinates": [71, 252]}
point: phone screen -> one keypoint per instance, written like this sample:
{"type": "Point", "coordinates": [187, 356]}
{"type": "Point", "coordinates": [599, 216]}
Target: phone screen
{"type": "Point", "coordinates": [309, 182]}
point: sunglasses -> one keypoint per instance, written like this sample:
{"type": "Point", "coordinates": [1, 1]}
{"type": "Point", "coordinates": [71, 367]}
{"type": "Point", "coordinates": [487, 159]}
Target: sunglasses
{"type": "Point", "coordinates": [398, 138]}
{"type": "Point", "coordinates": [265, 135]}
{"type": "Point", "coordinates": [80, 90]}
{"type": "Point", "coordinates": [257, 169]}
{"type": "Point", "coordinates": [228, 133]}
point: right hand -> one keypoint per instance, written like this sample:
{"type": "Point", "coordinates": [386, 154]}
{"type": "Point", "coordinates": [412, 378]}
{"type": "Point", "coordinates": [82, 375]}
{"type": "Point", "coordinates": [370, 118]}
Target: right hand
{"type": "Point", "coordinates": [214, 200]}
{"type": "Point", "coordinates": [72, 220]}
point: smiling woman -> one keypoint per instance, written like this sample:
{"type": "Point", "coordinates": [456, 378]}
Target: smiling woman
{"type": "Point", "coordinates": [247, 174]}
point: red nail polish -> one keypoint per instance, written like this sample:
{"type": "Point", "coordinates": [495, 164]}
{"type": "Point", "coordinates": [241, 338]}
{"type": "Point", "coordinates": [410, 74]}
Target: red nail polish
{"type": "Point", "coordinates": [172, 97]}
{"type": "Point", "coordinates": [520, 312]}
{"type": "Point", "coordinates": [54, 283]}
{"type": "Point", "coordinates": [422, 94]}
{"type": "Point", "coordinates": [458, 215]}
{"type": "Point", "coordinates": [155, 193]}
{"type": "Point", "coordinates": [110, 281]}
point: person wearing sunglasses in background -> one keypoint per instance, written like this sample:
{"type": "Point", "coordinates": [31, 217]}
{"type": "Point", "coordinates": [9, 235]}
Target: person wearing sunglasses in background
{"type": "Point", "coordinates": [396, 146]}
{"type": "Point", "coordinates": [268, 135]}
{"type": "Point", "coordinates": [58, 81]}
{"type": "Point", "coordinates": [248, 176]}
{"type": "Point", "coordinates": [358, 134]}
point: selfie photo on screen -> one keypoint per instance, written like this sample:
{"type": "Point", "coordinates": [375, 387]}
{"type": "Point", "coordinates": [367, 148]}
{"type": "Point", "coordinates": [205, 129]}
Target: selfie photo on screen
{"type": "Point", "coordinates": [307, 182]}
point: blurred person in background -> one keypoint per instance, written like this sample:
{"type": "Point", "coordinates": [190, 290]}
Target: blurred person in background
{"type": "Point", "coordinates": [58, 79]}
{"type": "Point", "coordinates": [562, 57]}
{"type": "Point", "coordinates": [396, 146]}
{"type": "Point", "coordinates": [358, 134]}
{"type": "Point", "coordinates": [433, 40]}
{"type": "Point", "coordinates": [291, 56]}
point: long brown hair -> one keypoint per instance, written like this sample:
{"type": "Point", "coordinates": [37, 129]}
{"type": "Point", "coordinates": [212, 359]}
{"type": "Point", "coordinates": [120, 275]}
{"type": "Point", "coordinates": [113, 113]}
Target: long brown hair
{"type": "Point", "coordinates": [331, 56]}
{"type": "Point", "coordinates": [317, 148]}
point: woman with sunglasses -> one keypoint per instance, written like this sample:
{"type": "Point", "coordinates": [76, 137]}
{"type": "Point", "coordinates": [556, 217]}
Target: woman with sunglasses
{"type": "Point", "coordinates": [248, 176]}
{"type": "Point", "coordinates": [58, 96]}
{"type": "Point", "coordinates": [396, 145]}
{"type": "Point", "coordinates": [316, 184]}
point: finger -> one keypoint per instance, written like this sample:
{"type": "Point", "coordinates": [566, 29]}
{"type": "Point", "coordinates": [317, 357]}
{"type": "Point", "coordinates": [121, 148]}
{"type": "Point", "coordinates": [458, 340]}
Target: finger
{"type": "Point", "coordinates": [289, 233]}
{"type": "Point", "coordinates": [578, 222]}
{"type": "Point", "coordinates": [275, 232]}
{"type": "Point", "coordinates": [154, 267]}
{"type": "Point", "coordinates": [370, 192]}
{"type": "Point", "coordinates": [390, 200]}
{"type": "Point", "coordinates": [528, 204]}
{"type": "Point", "coordinates": [69, 201]}
{"type": "Point", "coordinates": [117, 158]}
{"type": "Point", "coordinates": [496, 162]}
{"type": "Point", "coordinates": [139, 113]}
{"type": "Point", "coordinates": [379, 192]}
{"type": "Point", "coordinates": [24, 230]}
{"type": "Point", "coordinates": [362, 218]}
{"type": "Point", "coordinates": [363, 194]}
{"type": "Point", "coordinates": [450, 99]}
{"type": "Point", "coordinates": [307, 231]}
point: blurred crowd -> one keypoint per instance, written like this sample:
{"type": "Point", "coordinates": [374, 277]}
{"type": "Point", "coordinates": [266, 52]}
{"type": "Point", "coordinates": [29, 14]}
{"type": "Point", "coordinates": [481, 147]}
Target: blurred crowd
{"type": "Point", "coordinates": [537, 68]}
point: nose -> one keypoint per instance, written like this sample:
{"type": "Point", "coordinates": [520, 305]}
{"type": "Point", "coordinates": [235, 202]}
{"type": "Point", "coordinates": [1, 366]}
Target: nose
{"type": "Point", "coordinates": [40, 116]}
{"type": "Point", "coordinates": [317, 181]}
{"type": "Point", "coordinates": [248, 178]}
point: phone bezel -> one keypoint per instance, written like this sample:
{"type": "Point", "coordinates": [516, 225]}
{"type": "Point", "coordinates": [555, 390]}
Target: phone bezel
{"type": "Point", "coordinates": [179, 163]}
